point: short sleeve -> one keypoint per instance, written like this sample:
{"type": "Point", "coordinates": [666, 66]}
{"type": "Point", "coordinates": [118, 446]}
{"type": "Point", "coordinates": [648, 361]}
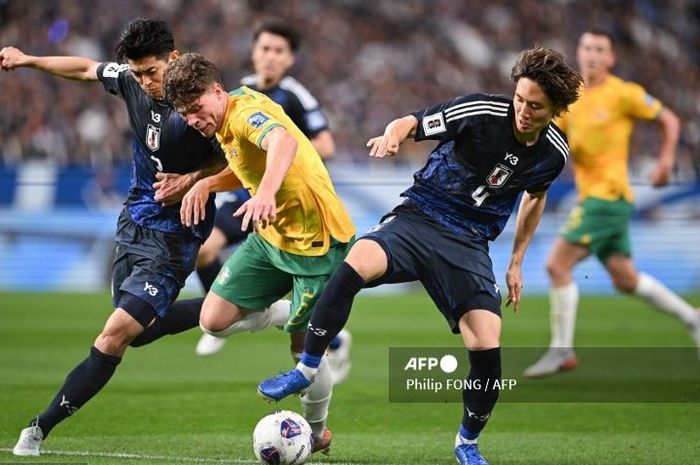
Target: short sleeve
{"type": "Point", "coordinates": [639, 103]}
{"type": "Point", "coordinates": [449, 119]}
{"type": "Point", "coordinates": [253, 124]}
{"type": "Point", "coordinates": [114, 77]}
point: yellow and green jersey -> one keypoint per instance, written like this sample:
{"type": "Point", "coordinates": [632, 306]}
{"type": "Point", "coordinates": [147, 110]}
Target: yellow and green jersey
{"type": "Point", "coordinates": [598, 126]}
{"type": "Point", "coordinates": [309, 212]}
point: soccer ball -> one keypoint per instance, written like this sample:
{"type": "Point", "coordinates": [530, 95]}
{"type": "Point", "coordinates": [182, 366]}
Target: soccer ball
{"type": "Point", "coordinates": [282, 438]}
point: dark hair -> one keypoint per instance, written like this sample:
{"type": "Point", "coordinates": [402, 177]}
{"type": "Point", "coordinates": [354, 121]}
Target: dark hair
{"type": "Point", "coordinates": [279, 28]}
{"type": "Point", "coordinates": [601, 32]}
{"type": "Point", "coordinates": [145, 37]}
{"type": "Point", "coordinates": [187, 78]}
{"type": "Point", "coordinates": [549, 69]}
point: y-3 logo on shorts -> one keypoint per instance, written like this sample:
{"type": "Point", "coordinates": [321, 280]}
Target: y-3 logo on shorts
{"type": "Point", "coordinates": [151, 289]}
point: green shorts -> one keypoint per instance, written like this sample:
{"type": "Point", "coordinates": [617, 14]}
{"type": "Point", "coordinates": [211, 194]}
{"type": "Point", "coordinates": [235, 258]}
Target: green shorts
{"type": "Point", "coordinates": [258, 274]}
{"type": "Point", "coordinates": [602, 226]}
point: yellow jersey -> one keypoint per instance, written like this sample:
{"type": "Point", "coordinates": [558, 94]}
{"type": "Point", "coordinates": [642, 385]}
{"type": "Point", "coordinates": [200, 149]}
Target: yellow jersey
{"type": "Point", "coordinates": [599, 126]}
{"type": "Point", "coordinates": [309, 212]}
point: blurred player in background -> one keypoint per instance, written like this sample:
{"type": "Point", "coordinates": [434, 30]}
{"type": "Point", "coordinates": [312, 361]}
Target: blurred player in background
{"type": "Point", "coordinates": [274, 47]}
{"type": "Point", "coordinates": [302, 230]}
{"type": "Point", "coordinates": [599, 127]}
{"type": "Point", "coordinates": [491, 149]}
{"type": "Point", "coordinates": [155, 252]}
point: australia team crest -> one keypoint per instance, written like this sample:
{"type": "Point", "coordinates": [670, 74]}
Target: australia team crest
{"type": "Point", "coordinates": [153, 138]}
{"type": "Point", "coordinates": [499, 175]}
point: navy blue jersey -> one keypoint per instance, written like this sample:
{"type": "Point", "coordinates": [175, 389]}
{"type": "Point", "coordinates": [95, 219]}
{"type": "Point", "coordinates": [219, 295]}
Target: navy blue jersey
{"type": "Point", "coordinates": [472, 179]}
{"type": "Point", "coordinates": [296, 101]}
{"type": "Point", "coordinates": [160, 141]}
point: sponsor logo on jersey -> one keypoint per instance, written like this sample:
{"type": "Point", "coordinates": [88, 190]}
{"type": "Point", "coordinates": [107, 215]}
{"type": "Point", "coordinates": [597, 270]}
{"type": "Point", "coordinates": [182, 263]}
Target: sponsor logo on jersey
{"type": "Point", "coordinates": [499, 175]}
{"type": "Point", "coordinates": [512, 159]}
{"type": "Point", "coordinates": [153, 138]}
{"type": "Point", "coordinates": [258, 119]}
{"type": "Point", "coordinates": [434, 124]}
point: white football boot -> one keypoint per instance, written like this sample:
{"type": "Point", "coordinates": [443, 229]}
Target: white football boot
{"type": "Point", "coordinates": [339, 359]}
{"type": "Point", "coordinates": [29, 442]}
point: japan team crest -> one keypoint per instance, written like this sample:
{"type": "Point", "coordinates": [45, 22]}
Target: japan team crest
{"type": "Point", "coordinates": [499, 175]}
{"type": "Point", "coordinates": [153, 138]}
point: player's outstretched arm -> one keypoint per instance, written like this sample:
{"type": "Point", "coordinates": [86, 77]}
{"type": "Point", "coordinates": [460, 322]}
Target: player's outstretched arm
{"type": "Point", "coordinates": [395, 133]}
{"type": "Point", "coordinates": [78, 68]}
{"type": "Point", "coordinates": [529, 215]}
{"type": "Point", "coordinates": [281, 150]}
{"type": "Point", "coordinates": [194, 204]}
{"type": "Point", "coordinates": [670, 131]}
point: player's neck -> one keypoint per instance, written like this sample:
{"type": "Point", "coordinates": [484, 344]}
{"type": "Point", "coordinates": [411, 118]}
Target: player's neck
{"type": "Point", "coordinates": [595, 80]}
{"type": "Point", "coordinates": [526, 138]}
{"type": "Point", "coordinates": [267, 83]}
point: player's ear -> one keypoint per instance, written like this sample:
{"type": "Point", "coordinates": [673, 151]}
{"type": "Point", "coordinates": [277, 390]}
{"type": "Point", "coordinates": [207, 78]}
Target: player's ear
{"type": "Point", "coordinates": [174, 55]}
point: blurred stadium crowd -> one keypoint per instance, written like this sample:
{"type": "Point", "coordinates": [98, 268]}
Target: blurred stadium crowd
{"type": "Point", "coordinates": [366, 61]}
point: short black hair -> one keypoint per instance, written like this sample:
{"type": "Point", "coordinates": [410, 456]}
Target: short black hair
{"type": "Point", "coordinates": [145, 37]}
{"type": "Point", "coordinates": [279, 28]}
{"type": "Point", "coordinates": [596, 31]}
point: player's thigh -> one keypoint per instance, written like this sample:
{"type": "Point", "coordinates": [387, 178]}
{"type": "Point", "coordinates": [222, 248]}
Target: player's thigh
{"type": "Point", "coordinates": [368, 259]}
{"type": "Point", "coordinates": [480, 329]}
{"type": "Point", "coordinates": [564, 255]}
{"type": "Point", "coordinates": [310, 275]}
{"type": "Point", "coordinates": [249, 279]}
{"type": "Point", "coordinates": [153, 268]}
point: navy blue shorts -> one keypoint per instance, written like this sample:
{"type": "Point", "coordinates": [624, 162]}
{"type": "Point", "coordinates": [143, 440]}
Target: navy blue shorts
{"type": "Point", "coordinates": [228, 224]}
{"type": "Point", "coordinates": [151, 265]}
{"type": "Point", "coordinates": [456, 271]}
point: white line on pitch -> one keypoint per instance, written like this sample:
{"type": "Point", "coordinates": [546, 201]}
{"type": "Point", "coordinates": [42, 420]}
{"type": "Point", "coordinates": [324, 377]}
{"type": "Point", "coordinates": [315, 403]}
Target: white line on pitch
{"type": "Point", "coordinates": [170, 458]}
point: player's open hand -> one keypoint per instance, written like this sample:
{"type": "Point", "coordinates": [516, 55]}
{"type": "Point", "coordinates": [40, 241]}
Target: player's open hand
{"type": "Point", "coordinates": [11, 58]}
{"type": "Point", "coordinates": [194, 204]}
{"type": "Point", "coordinates": [260, 210]}
{"type": "Point", "coordinates": [514, 280]}
{"type": "Point", "coordinates": [383, 146]}
{"type": "Point", "coordinates": [171, 188]}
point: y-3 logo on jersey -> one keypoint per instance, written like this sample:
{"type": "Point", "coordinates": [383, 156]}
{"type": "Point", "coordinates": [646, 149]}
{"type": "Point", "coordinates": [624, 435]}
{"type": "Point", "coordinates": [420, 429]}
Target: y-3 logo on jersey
{"type": "Point", "coordinates": [512, 159]}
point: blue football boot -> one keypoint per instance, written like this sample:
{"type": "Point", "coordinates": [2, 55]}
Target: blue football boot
{"type": "Point", "coordinates": [279, 387]}
{"type": "Point", "coordinates": [468, 454]}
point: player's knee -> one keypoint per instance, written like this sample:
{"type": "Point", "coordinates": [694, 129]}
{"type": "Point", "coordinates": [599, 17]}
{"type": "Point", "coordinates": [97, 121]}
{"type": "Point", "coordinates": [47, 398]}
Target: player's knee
{"type": "Point", "coordinates": [554, 269]}
{"type": "Point", "coordinates": [483, 342]}
{"type": "Point", "coordinates": [624, 284]}
{"type": "Point", "coordinates": [114, 340]}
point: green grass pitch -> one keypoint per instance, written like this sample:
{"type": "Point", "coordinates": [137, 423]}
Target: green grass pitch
{"type": "Point", "coordinates": [166, 405]}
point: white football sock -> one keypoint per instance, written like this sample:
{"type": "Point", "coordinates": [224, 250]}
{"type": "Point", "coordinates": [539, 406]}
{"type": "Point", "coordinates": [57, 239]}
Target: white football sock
{"type": "Point", "coordinates": [662, 298]}
{"type": "Point", "coordinates": [316, 401]}
{"type": "Point", "coordinates": [275, 315]}
{"type": "Point", "coordinates": [563, 303]}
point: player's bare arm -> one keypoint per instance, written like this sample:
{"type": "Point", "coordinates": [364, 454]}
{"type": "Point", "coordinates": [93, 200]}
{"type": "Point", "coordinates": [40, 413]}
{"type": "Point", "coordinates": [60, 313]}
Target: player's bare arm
{"type": "Point", "coordinates": [324, 144]}
{"type": "Point", "coordinates": [670, 131]}
{"type": "Point", "coordinates": [77, 68]}
{"type": "Point", "coordinates": [261, 209]}
{"type": "Point", "coordinates": [193, 208]}
{"type": "Point", "coordinates": [529, 215]}
{"type": "Point", "coordinates": [172, 187]}
{"type": "Point", "coordinates": [395, 133]}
